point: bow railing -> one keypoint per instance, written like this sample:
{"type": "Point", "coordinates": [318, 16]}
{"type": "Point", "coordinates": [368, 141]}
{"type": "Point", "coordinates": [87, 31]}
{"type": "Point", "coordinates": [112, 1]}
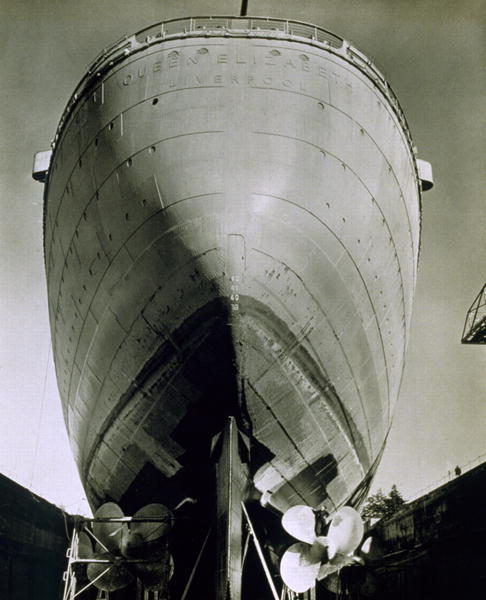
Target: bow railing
{"type": "Point", "coordinates": [257, 27]}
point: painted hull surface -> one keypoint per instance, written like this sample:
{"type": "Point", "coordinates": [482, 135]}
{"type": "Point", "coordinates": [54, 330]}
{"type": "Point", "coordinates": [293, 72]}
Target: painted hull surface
{"type": "Point", "coordinates": [232, 228]}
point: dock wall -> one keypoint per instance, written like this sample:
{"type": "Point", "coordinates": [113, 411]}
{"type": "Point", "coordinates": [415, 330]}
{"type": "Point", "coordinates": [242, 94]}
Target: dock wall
{"type": "Point", "coordinates": [434, 548]}
{"type": "Point", "coordinates": [33, 543]}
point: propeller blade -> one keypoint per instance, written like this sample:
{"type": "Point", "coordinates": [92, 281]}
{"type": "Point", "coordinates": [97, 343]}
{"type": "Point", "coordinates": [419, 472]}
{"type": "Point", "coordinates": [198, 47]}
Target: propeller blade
{"type": "Point", "coordinates": [85, 547]}
{"type": "Point", "coordinates": [300, 522]}
{"type": "Point", "coordinates": [85, 550]}
{"type": "Point", "coordinates": [171, 566]}
{"type": "Point", "coordinates": [153, 575]}
{"type": "Point", "coordinates": [115, 578]}
{"type": "Point", "coordinates": [148, 539]}
{"type": "Point", "coordinates": [151, 531]}
{"type": "Point", "coordinates": [110, 534]}
{"type": "Point", "coordinates": [345, 532]}
{"type": "Point", "coordinates": [299, 567]}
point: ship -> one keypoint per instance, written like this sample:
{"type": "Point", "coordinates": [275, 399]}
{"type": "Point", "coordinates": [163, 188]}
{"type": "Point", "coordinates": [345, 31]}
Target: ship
{"type": "Point", "coordinates": [231, 235]}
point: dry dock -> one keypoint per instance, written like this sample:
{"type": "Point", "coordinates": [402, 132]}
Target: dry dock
{"type": "Point", "coordinates": [432, 549]}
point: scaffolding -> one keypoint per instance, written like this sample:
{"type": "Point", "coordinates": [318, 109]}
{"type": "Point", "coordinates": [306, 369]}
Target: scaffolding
{"type": "Point", "coordinates": [474, 331]}
{"type": "Point", "coordinates": [76, 587]}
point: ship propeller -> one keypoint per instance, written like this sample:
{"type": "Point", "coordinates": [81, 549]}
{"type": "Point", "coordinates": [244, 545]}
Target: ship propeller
{"type": "Point", "coordinates": [122, 543]}
{"type": "Point", "coordinates": [316, 557]}
{"type": "Point", "coordinates": [148, 540]}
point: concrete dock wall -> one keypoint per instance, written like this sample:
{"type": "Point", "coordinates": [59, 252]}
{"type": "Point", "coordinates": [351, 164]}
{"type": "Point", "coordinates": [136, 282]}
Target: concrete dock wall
{"type": "Point", "coordinates": [434, 548]}
{"type": "Point", "coordinates": [33, 543]}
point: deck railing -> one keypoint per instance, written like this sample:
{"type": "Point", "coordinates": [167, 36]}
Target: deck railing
{"type": "Point", "coordinates": [257, 27]}
{"type": "Point", "coordinates": [453, 473]}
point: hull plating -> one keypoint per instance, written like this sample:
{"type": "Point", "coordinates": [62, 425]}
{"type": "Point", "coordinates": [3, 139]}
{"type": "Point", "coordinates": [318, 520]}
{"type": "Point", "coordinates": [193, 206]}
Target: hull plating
{"type": "Point", "coordinates": [232, 227]}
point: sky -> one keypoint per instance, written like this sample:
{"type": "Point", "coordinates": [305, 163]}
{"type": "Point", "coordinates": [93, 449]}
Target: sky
{"type": "Point", "coordinates": [433, 53]}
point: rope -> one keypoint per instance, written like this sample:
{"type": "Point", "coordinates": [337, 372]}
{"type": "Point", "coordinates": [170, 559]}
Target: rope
{"type": "Point", "coordinates": [41, 414]}
{"type": "Point", "coordinates": [245, 549]}
{"type": "Point", "coordinates": [88, 531]}
{"type": "Point", "coordinates": [196, 564]}
{"type": "Point", "coordinates": [92, 582]}
{"type": "Point", "coordinates": [260, 553]}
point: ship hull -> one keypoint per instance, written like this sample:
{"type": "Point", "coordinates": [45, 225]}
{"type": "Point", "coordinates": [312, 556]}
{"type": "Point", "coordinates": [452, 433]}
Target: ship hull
{"type": "Point", "coordinates": [232, 228]}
